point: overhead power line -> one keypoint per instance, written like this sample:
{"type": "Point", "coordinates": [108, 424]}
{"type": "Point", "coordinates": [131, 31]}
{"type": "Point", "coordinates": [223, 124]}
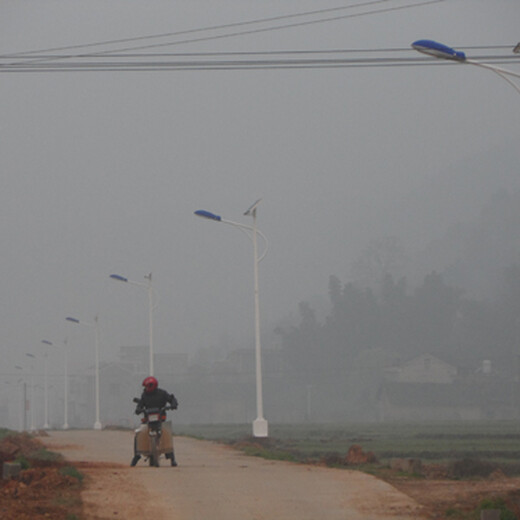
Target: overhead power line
{"type": "Point", "coordinates": [126, 59]}
{"type": "Point", "coordinates": [248, 53]}
{"type": "Point", "coordinates": [200, 29]}
{"type": "Point", "coordinates": [37, 54]}
{"type": "Point", "coordinates": [138, 62]}
{"type": "Point", "coordinates": [255, 61]}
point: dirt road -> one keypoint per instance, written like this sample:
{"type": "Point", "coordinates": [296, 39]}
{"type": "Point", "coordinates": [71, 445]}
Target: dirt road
{"type": "Point", "coordinates": [215, 482]}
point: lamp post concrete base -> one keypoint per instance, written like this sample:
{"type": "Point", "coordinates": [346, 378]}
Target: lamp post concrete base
{"type": "Point", "coordinates": [260, 427]}
{"type": "Point", "coordinates": [97, 425]}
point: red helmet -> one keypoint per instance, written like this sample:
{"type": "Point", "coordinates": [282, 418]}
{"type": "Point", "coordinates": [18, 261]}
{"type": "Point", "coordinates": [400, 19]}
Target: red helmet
{"type": "Point", "coordinates": [150, 384]}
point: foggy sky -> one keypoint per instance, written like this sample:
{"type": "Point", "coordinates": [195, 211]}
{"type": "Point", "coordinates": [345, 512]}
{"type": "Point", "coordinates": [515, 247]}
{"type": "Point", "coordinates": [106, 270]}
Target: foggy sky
{"type": "Point", "coordinates": [101, 172]}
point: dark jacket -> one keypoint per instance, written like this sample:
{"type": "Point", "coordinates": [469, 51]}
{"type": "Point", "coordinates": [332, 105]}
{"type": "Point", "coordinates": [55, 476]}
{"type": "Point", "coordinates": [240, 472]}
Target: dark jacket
{"type": "Point", "coordinates": [159, 398]}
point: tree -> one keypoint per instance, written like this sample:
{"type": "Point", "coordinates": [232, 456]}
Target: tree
{"type": "Point", "coordinates": [433, 313]}
{"type": "Point", "coordinates": [380, 258]}
{"type": "Point", "coordinates": [301, 343]}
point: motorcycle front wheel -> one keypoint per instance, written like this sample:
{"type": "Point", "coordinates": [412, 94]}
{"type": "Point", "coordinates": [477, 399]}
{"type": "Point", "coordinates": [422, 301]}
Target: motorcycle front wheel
{"type": "Point", "coordinates": [154, 456]}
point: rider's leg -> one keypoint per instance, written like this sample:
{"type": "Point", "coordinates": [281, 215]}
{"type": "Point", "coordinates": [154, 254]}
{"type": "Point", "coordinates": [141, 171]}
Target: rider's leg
{"type": "Point", "coordinates": [171, 456]}
{"type": "Point", "coordinates": [136, 458]}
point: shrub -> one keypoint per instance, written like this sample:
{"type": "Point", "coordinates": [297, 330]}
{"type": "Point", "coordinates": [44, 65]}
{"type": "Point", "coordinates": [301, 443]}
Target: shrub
{"type": "Point", "coordinates": [22, 460]}
{"type": "Point", "coordinates": [498, 503]}
{"type": "Point", "coordinates": [71, 471]}
{"type": "Point", "coordinates": [42, 457]}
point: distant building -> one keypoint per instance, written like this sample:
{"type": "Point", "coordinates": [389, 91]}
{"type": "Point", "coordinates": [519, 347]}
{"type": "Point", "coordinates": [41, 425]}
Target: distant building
{"type": "Point", "coordinates": [426, 388]}
{"type": "Point", "coordinates": [422, 369]}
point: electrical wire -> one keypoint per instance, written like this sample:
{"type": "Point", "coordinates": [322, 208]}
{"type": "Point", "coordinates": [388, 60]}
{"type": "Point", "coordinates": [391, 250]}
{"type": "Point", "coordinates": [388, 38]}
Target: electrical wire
{"type": "Point", "coordinates": [253, 53]}
{"type": "Point", "coordinates": [202, 29]}
{"type": "Point", "coordinates": [244, 61]}
{"type": "Point", "coordinates": [236, 33]}
{"type": "Point", "coordinates": [122, 60]}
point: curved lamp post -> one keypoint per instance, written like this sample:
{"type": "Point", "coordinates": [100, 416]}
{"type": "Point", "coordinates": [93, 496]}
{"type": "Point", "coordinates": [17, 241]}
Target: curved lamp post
{"type": "Point", "coordinates": [439, 50]}
{"type": "Point", "coordinates": [148, 286]}
{"type": "Point", "coordinates": [260, 426]}
{"type": "Point", "coordinates": [46, 386]}
{"type": "Point", "coordinates": [97, 424]}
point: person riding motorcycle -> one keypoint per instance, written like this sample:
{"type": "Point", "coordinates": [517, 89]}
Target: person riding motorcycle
{"type": "Point", "coordinates": [155, 397]}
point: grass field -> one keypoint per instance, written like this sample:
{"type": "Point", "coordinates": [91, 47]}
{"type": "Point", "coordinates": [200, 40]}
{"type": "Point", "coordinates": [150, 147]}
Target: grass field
{"type": "Point", "coordinates": [497, 442]}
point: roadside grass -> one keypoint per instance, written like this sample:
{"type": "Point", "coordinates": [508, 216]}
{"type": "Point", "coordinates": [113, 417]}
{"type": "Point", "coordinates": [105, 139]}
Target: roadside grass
{"type": "Point", "coordinates": [23, 461]}
{"type": "Point", "coordinates": [38, 458]}
{"type": "Point", "coordinates": [31, 452]}
{"type": "Point", "coordinates": [72, 471]}
{"type": "Point", "coordinates": [497, 443]}
{"type": "Point", "coordinates": [43, 456]}
{"type": "Point", "coordinates": [499, 504]}
{"type": "Point", "coordinates": [267, 453]}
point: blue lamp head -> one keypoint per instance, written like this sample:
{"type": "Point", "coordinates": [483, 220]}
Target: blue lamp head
{"type": "Point", "coordinates": [207, 214]}
{"type": "Point", "coordinates": [438, 50]}
{"type": "Point", "coordinates": [119, 278]}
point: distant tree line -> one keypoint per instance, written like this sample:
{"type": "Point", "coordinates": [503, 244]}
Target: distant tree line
{"type": "Point", "coordinates": [397, 322]}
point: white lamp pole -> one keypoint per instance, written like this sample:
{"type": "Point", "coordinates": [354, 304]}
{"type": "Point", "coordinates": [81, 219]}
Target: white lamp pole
{"type": "Point", "coordinates": [148, 286]}
{"type": "Point", "coordinates": [46, 387]}
{"type": "Point", "coordinates": [23, 416]}
{"type": "Point", "coordinates": [97, 423]}
{"type": "Point", "coordinates": [66, 387]}
{"type": "Point", "coordinates": [439, 50]}
{"type": "Point", "coordinates": [260, 425]}
{"type": "Point", "coordinates": [32, 356]}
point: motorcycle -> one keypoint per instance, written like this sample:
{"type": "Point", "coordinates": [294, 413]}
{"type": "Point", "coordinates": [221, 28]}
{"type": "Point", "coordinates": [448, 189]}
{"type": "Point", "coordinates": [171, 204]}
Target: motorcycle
{"type": "Point", "coordinates": [154, 436]}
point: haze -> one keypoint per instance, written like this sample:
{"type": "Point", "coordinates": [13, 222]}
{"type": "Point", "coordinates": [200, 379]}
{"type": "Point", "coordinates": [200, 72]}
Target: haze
{"type": "Point", "coordinates": [102, 172]}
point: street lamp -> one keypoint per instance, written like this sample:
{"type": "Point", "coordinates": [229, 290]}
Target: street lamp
{"type": "Point", "coordinates": [32, 356]}
{"type": "Point", "coordinates": [148, 286]}
{"type": "Point", "coordinates": [23, 417]}
{"type": "Point", "coordinates": [46, 386]}
{"type": "Point", "coordinates": [97, 424]}
{"type": "Point", "coordinates": [260, 426]}
{"type": "Point", "coordinates": [439, 50]}
{"type": "Point", "coordinates": [66, 387]}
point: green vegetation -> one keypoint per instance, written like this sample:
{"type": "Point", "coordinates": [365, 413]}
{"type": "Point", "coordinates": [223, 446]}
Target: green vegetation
{"type": "Point", "coordinates": [489, 503]}
{"type": "Point", "coordinates": [497, 503]}
{"type": "Point", "coordinates": [491, 443]}
{"type": "Point", "coordinates": [39, 457]}
{"type": "Point", "coordinates": [43, 455]}
{"type": "Point", "coordinates": [72, 471]}
{"type": "Point", "coordinates": [266, 450]}
{"type": "Point", "coordinates": [22, 460]}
